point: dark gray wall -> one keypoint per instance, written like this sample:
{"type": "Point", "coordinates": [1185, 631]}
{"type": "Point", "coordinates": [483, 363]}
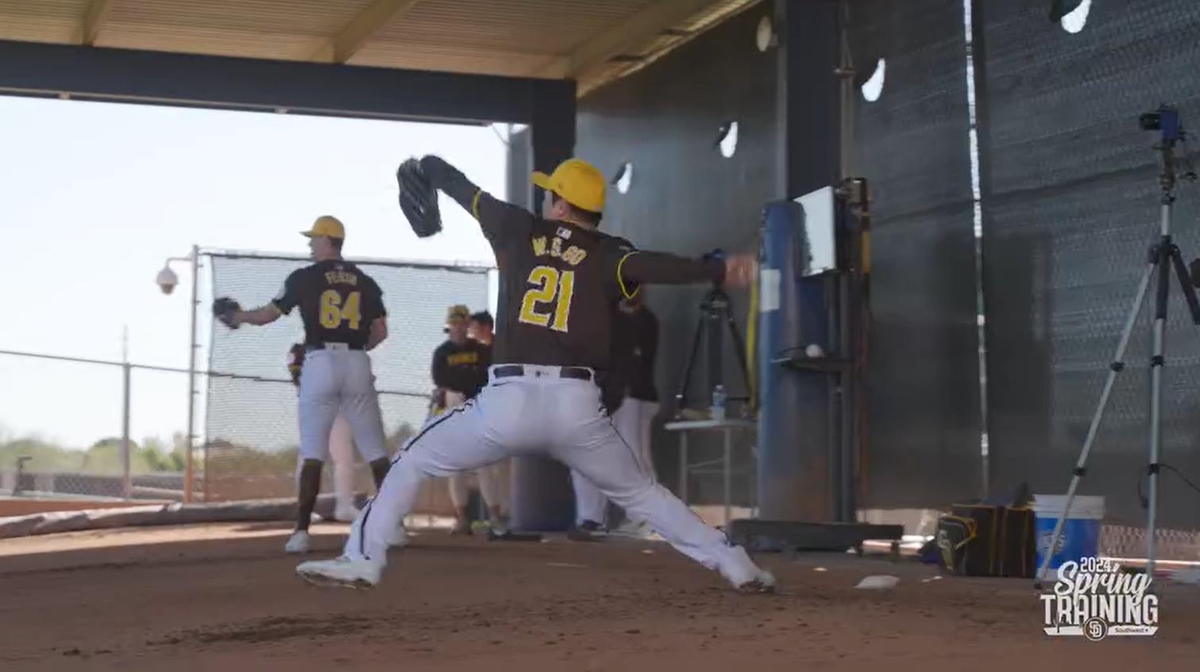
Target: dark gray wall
{"type": "Point", "coordinates": [924, 431]}
{"type": "Point", "coordinates": [1071, 204]}
{"type": "Point", "coordinates": [685, 197]}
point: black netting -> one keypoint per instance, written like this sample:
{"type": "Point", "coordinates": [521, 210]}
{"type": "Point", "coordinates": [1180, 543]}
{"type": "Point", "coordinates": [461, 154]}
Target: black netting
{"type": "Point", "coordinates": [924, 439]}
{"type": "Point", "coordinates": [251, 427]}
{"type": "Point", "coordinates": [1070, 207]}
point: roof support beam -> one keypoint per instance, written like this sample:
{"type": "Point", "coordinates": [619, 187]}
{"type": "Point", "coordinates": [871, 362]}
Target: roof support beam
{"type": "Point", "coordinates": [193, 80]}
{"type": "Point", "coordinates": [631, 34]}
{"type": "Point", "coordinates": [93, 18]}
{"type": "Point", "coordinates": [355, 35]}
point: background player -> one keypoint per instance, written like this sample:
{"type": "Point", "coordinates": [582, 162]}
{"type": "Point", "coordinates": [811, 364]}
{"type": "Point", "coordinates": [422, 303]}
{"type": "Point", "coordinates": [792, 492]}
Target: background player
{"type": "Point", "coordinates": [460, 370]}
{"type": "Point", "coordinates": [480, 328]}
{"type": "Point", "coordinates": [561, 279]}
{"type": "Point", "coordinates": [635, 347]}
{"type": "Point", "coordinates": [344, 318]}
{"type": "Point", "coordinates": [341, 450]}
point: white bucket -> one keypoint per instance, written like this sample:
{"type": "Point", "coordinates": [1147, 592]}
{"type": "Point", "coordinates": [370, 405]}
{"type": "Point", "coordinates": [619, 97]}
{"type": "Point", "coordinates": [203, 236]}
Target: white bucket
{"type": "Point", "coordinates": [1080, 537]}
{"type": "Point", "coordinates": [1083, 507]}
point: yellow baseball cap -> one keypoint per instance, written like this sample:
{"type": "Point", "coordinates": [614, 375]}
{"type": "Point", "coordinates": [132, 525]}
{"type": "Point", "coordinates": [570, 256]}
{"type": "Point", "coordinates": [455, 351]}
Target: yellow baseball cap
{"type": "Point", "coordinates": [326, 225]}
{"type": "Point", "coordinates": [458, 312]}
{"type": "Point", "coordinates": [577, 182]}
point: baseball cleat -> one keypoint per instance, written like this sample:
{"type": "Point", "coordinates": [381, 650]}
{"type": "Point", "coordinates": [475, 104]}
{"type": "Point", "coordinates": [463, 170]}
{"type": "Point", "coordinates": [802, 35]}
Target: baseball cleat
{"type": "Point", "coordinates": [764, 583]}
{"type": "Point", "coordinates": [342, 572]}
{"type": "Point", "coordinates": [746, 576]}
{"type": "Point", "coordinates": [298, 543]}
{"type": "Point", "coordinates": [588, 530]}
{"type": "Point", "coordinates": [345, 514]}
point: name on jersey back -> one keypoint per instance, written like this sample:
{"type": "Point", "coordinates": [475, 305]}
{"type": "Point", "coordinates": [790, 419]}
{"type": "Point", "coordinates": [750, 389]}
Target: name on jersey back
{"type": "Point", "coordinates": [340, 277]}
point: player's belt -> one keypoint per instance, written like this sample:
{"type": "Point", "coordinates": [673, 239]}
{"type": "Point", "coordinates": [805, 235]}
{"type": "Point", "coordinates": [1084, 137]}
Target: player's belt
{"type": "Point", "coordinates": [513, 370]}
{"type": "Point", "coordinates": [332, 346]}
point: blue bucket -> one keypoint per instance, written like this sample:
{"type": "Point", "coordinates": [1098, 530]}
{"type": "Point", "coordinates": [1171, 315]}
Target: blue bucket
{"type": "Point", "coordinates": [1080, 536]}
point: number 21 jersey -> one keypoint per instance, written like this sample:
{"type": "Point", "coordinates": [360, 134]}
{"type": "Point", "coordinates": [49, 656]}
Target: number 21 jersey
{"type": "Point", "coordinates": [559, 286]}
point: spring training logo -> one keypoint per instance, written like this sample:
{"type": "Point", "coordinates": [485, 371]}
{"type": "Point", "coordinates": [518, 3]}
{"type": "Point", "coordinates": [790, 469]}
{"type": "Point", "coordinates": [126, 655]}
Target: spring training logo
{"type": "Point", "coordinates": [1093, 599]}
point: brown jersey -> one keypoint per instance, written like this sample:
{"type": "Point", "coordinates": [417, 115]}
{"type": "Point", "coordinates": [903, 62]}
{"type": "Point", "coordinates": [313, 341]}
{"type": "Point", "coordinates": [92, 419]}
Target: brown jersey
{"type": "Point", "coordinates": [337, 301]}
{"type": "Point", "coordinates": [559, 288]}
{"type": "Point", "coordinates": [560, 282]}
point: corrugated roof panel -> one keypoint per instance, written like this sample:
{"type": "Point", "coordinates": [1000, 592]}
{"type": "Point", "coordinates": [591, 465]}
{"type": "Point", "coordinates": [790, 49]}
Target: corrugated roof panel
{"type": "Point", "coordinates": [450, 59]}
{"type": "Point", "coordinates": [55, 31]}
{"type": "Point", "coordinates": [59, 21]}
{"type": "Point", "coordinates": [511, 37]}
{"type": "Point", "coordinates": [664, 44]}
{"type": "Point", "coordinates": [43, 9]}
{"type": "Point", "coordinates": [296, 17]}
{"type": "Point", "coordinates": [528, 26]}
{"type": "Point", "coordinates": [211, 41]}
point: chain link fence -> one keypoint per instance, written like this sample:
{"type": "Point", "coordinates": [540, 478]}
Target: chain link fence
{"type": "Point", "coordinates": [128, 458]}
{"type": "Point", "coordinates": [251, 433]}
{"type": "Point", "coordinates": [246, 447]}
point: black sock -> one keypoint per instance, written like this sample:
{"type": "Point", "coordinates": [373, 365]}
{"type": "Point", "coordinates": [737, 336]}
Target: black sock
{"type": "Point", "coordinates": [310, 487]}
{"type": "Point", "coordinates": [379, 469]}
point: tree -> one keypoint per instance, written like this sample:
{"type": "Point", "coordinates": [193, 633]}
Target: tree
{"type": "Point", "coordinates": [44, 456]}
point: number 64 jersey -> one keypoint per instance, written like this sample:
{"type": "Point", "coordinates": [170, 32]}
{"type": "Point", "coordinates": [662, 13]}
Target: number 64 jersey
{"type": "Point", "coordinates": [337, 301]}
{"type": "Point", "coordinates": [560, 284]}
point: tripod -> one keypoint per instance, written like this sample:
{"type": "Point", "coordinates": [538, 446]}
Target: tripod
{"type": "Point", "coordinates": [1164, 257]}
{"type": "Point", "coordinates": [714, 309]}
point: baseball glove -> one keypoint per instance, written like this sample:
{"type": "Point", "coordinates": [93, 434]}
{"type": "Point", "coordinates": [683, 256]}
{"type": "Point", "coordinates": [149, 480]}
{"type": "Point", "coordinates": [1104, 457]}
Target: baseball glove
{"type": "Point", "coordinates": [418, 199]}
{"type": "Point", "coordinates": [296, 361]}
{"type": "Point", "coordinates": [224, 309]}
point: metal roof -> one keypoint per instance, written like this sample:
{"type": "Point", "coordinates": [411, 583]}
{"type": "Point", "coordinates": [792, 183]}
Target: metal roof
{"type": "Point", "coordinates": [592, 41]}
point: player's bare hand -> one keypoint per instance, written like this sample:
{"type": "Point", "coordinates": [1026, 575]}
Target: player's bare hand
{"type": "Point", "coordinates": [740, 269]}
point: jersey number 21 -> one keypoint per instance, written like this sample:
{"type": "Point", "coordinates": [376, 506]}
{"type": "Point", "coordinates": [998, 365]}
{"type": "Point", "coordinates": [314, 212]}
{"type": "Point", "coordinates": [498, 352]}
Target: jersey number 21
{"type": "Point", "coordinates": [550, 285]}
{"type": "Point", "coordinates": [334, 311]}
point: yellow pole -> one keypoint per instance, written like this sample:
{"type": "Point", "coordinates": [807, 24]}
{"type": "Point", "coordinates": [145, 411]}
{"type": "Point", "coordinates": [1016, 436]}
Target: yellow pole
{"type": "Point", "coordinates": [751, 329]}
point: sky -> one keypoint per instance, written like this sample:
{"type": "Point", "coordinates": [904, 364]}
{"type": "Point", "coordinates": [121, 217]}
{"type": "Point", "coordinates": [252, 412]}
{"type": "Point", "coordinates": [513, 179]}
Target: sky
{"type": "Point", "coordinates": [94, 197]}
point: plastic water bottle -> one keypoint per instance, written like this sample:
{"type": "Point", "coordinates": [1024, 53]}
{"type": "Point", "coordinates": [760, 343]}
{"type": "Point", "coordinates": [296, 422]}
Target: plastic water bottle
{"type": "Point", "coordinates": [718, 403]}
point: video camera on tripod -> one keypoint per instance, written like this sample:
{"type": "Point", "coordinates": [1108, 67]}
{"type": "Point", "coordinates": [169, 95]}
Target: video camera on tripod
{"type": "Point", "coordinates": [714, 312]}
{"type": "Point", "coordinates": [1165, 119]}
{"type": "Point", "coordinates": [1163, 259]}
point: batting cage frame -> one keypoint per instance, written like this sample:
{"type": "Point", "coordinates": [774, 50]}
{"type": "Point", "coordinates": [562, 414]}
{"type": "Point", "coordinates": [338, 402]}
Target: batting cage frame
{"type": "Point", "coordinates": [250, 435]}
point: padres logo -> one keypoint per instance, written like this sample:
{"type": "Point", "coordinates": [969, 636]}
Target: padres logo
{"type": "Point", "coordinates": [1095, 629]}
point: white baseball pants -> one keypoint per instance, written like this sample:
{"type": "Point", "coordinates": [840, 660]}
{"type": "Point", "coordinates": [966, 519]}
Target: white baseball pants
{"type": "Point", "coordinates": [338, 381]}
{"type": "Point", "coordinates": [494, 478]}
{"type": "Point", "coordinates": [539, 412]}
{"type": "Point", "coordinates": [632, 421]}
{"type": "Point", "coordinates": [341, 451]}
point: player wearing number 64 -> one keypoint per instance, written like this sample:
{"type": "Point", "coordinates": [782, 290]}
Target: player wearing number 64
{"type": "Point", "coordinates": [550, 390]}
{"type": "Point", "coordinates": [343, 315]}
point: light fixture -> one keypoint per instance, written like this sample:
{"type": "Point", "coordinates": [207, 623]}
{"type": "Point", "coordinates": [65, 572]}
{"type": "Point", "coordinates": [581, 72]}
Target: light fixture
{"type": "Point", "coordinates": [727, 138]}
{"type": "Point", "coordinates": [166, 279]}
{"type": "Point", "coordinates": [1074, 20]}
{"type": "Point", "coordinates": [764, 34]}
{"type": "Point", "coordinates": [623, 178]}
{"type": "Point", "coordinates": [873, 87]}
